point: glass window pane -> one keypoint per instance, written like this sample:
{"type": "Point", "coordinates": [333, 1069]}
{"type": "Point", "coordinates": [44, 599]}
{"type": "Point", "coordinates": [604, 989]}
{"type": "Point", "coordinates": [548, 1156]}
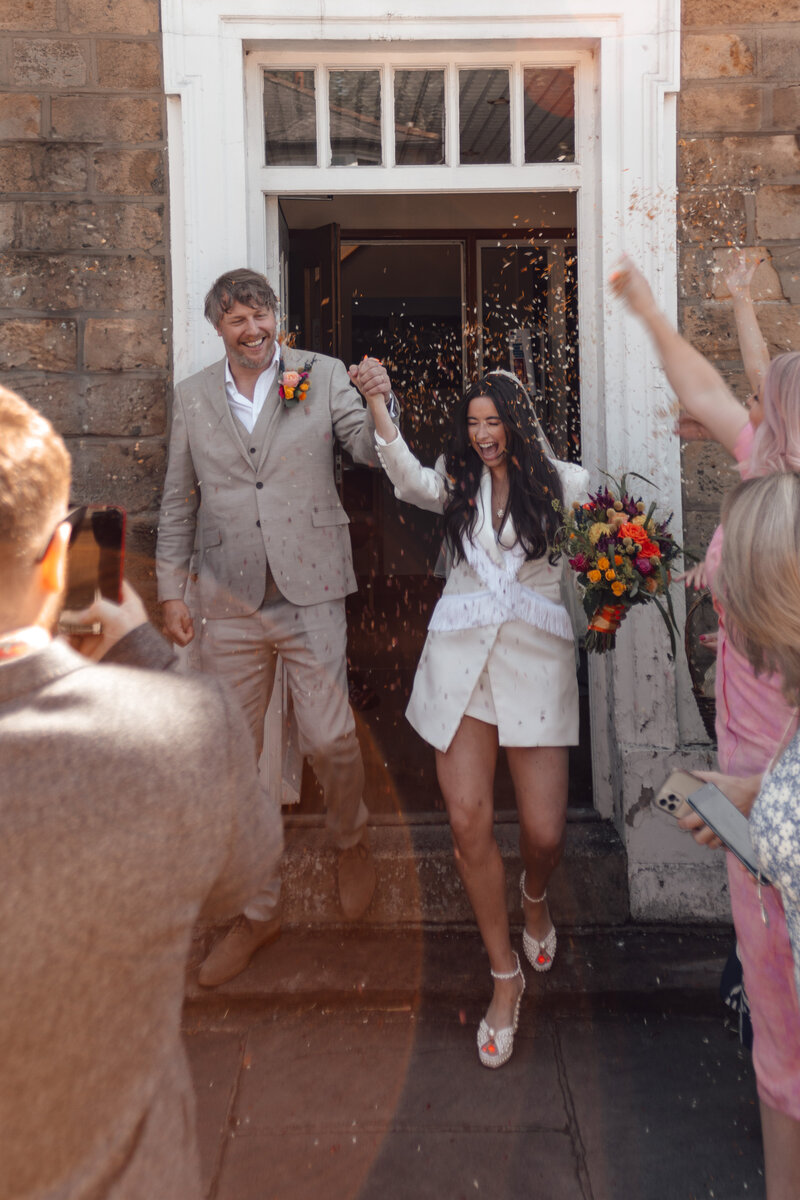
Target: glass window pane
{"type": "Point", "coordinates": [355, 108]}
{"type": "Point", "coordinates": [483, 116]}
{"type": "Point", "coordinates": [418, 117]}
{"type": "Point", "coordinates": [549, 115]}
{"type": "Point", "coordinates": [290, 119]}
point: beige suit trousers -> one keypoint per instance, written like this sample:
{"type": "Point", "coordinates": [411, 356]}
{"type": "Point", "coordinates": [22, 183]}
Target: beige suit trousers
{"type": "Point", "coordinates": [312, 642]}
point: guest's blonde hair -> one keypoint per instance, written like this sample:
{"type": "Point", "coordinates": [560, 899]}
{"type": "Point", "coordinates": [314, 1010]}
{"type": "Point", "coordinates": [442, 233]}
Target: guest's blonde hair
{"type": "Point", "coordinates": [759, 576]}
{"type": "Point", "coordinates": [776, 444]}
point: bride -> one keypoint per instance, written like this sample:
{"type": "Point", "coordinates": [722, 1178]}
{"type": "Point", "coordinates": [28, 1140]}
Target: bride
{"type": "Point", "coordinates": [498, 666]}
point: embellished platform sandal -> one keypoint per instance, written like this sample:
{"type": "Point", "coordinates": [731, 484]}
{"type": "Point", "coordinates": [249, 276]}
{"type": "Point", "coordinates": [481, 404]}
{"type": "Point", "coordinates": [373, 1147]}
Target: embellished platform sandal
{"type": "Point", "coordinates": [495, 1045]}
{"type": "Point", "coordinates": [539, 954]}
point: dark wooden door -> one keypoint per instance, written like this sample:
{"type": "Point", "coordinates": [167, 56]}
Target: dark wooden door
{"type": "Point", "coordinates": [315, 308]}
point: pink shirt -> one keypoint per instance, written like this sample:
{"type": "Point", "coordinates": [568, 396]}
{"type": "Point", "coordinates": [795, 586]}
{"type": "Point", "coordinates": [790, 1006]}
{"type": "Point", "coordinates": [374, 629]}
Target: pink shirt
{"type": "Point", "coordinates": [753, 718]}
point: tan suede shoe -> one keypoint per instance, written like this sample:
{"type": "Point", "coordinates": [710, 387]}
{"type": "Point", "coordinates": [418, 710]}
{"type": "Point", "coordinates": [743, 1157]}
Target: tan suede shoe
{"type": "Point", "coordinates": [357, 880]}
{"type": "Point", "coordinates": [233, 952]}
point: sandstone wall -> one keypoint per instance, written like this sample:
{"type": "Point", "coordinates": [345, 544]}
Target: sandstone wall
{"type": "Point", "coordinates": [84, 273]}
{"type": "Point", "coordinates": [739, 186]}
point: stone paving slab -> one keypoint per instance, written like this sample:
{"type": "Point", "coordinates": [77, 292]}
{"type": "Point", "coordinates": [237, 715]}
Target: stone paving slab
{"type": "Point", "coordinates": [347, 1072]}
{"type": "Point", "coordinates": [216, 1061]}
{"type": "Point", "coordinates": [460, 1166]}
{"type": "Point", "coordinates": [666, 1107]}
{"type": "Point", "coordinates": [298, 1166]}
{"type": "Point", "coordinates": [379, 1105]}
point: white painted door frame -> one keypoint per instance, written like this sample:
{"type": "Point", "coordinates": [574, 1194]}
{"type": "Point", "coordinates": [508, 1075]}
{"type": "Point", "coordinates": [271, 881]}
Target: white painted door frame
{"type": "Point", "coordinates": [627, 76]}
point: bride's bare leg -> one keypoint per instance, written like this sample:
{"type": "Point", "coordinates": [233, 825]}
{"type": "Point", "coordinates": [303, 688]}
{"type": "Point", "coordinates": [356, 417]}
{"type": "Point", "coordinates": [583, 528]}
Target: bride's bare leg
{"type": "Point", "coordinates": [540, 775]}
{"type": "Point", "coordinates": [466, 777]}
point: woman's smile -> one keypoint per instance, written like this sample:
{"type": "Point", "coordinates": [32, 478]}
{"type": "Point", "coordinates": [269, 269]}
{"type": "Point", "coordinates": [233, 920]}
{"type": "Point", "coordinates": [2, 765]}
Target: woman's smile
{"type": "Point", "coordinates": [486, 430]}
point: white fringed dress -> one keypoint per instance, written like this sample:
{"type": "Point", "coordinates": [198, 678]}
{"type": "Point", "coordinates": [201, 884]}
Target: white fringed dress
{"type": "Point", "coordinates": [500, 644]}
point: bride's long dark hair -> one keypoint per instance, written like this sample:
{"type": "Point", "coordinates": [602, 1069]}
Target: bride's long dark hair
{"type": "Point", "coordinates": [533, 481]}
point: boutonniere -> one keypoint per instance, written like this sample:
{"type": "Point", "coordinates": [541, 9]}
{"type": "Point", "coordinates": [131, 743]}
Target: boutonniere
{"type": "Point", "coordinates": [293, 385]}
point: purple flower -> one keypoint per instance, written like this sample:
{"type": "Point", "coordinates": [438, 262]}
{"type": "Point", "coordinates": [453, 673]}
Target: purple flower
{"type": "Point", "coordinates": [644, 566]}
{"type": "Point", "coordinates": [579, 563]}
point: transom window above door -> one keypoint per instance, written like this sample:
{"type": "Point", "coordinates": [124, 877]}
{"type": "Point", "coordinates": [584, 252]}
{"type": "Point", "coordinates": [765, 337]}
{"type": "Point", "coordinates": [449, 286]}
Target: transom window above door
{"type": "Point", "coordinates": [388, 115]}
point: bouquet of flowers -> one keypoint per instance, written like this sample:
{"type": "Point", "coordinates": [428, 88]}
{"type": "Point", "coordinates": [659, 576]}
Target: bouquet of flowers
{"type": "Point", "coordinates": [621, 552]}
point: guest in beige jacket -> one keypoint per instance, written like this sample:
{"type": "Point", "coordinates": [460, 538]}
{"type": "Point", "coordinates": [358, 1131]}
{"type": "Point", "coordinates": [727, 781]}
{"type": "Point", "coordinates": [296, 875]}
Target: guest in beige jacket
{"type": "Point", "coordinates": [117, 831]}
{"type": "Point", "coordinates": [498, 666]}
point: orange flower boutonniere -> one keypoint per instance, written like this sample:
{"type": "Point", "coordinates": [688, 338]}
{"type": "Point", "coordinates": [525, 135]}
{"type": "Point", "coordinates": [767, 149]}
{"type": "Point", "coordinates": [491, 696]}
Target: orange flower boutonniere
{"type": "Point", "coordinates": [293, 386]}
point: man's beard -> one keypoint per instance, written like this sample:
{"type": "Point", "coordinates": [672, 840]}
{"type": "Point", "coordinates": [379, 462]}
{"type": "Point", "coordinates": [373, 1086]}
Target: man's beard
{"type": "Point", "coordinates": [242, 360]}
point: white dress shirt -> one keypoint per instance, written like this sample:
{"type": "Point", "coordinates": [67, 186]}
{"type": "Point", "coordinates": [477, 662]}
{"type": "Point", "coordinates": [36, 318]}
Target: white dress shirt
{"type": "Point", "coordinates": [248, 410]}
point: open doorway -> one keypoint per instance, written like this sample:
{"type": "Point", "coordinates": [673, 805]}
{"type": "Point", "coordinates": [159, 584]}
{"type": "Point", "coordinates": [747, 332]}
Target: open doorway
{"type": "Point", "coordinates": [441, 289]}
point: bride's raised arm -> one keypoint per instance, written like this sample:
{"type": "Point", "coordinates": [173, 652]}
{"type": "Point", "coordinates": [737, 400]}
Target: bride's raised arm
{"type": "Point", "coordinates": [426, 487]}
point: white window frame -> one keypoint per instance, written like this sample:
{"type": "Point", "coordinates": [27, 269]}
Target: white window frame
{"type": "Point", "coordinates": [324, 177]}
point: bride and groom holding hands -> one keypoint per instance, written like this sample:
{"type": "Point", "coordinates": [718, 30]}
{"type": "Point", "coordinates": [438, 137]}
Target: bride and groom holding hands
{"type": "Point", "coordinates": [254, 560]}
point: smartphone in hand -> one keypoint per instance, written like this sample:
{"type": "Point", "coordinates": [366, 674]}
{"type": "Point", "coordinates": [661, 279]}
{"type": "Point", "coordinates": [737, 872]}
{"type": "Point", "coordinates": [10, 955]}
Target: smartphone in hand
{"type": "Point", "coordinates": [95, 560]}
{"type": "Point", "coordinates": [731, 826]}
{"type": "Point", "coordinates": [672, 796]}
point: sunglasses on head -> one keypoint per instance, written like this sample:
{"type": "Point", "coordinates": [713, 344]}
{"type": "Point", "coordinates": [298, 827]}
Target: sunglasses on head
{"type": "Point", "coordinates": [73, 518]}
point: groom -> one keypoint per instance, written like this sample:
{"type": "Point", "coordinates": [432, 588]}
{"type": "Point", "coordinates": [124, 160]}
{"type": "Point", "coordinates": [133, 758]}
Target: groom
{"type": "Point", "coordinates": [254, 560]}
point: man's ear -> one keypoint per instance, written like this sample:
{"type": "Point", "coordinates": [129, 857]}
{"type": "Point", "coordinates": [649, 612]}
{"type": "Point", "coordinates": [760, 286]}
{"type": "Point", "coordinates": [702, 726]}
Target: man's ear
{"type": "Point", "coordinates": [53, 567]}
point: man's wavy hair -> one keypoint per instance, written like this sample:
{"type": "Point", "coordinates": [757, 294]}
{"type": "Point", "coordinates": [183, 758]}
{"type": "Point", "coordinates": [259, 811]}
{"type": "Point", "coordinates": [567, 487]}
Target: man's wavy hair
{"type": "Point", "coordinates": [533, 480]}
{"type": "Point", "coordinates": [242, 286]}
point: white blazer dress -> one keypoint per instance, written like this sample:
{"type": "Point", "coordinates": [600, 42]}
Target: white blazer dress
{"type": "Point", "coordinates": [500, 644]}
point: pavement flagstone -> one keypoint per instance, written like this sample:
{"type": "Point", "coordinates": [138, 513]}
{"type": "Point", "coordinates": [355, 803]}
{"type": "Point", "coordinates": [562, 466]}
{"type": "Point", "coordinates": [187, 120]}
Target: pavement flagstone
{"type": "Point", "coordinates": [376, 1093]}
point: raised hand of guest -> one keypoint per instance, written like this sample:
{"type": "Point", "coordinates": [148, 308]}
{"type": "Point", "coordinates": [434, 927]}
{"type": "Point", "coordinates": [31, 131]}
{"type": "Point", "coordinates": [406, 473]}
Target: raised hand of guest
{"type": "Point", "coordinates": [629, 285]}
{"type": "Point", "coordinates": [738, 274]}
{"type": "Point", "coordinates": [695, 577]}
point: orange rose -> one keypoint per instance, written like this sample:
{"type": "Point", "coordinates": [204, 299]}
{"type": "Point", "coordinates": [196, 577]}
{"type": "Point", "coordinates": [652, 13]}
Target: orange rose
{"type": "Point", "coordinates": [650, 549]}
{"type": "Point", "coordinates": [603, 563]}
{"type": "Point", "coordinates": [611, 575]}
{"type": "Point", "coordinates": [618, 588]}
{"type": "Point", "coordinates": [594, 576]}
{"type": "Point", "coordinates": [635, 532]}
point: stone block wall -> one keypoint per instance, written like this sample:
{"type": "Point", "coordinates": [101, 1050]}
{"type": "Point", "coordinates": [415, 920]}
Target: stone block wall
{"type": "Point", "coordinates": [739, 186]}
{"type": "Point", "coordinates": [84, 271]}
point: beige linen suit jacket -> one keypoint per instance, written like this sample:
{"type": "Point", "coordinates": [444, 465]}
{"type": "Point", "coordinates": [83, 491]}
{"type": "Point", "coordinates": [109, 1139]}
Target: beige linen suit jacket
{"type": "Point", "coordinates": [118, 827]}
{"type": "Point", "coordinates": [232, 507]}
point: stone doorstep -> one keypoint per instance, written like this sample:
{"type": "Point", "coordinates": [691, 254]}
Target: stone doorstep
{"type": "Point", "coordinates": [418, 940]}
{"type": "Point", "coordinates": [418, 884]}
{"type": "Point", "coordinates": [635, 969]}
